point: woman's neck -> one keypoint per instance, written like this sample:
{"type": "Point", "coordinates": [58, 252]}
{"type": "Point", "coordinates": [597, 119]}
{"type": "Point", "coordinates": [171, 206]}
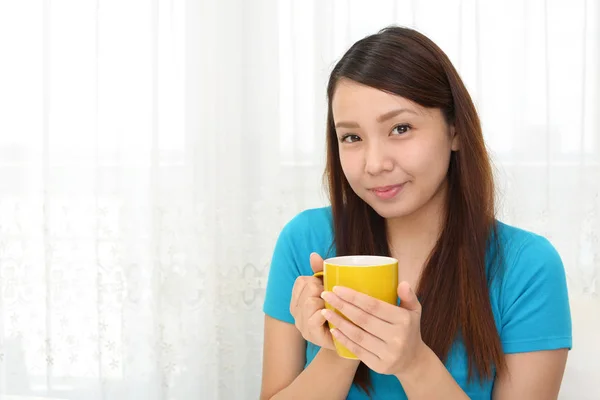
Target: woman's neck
{"type": "Point", "coordinates": [412, 238]}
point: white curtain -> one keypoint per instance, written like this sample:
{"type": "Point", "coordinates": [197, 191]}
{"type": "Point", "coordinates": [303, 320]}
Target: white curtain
{"type": "Point", "coordinates": [150, 152]}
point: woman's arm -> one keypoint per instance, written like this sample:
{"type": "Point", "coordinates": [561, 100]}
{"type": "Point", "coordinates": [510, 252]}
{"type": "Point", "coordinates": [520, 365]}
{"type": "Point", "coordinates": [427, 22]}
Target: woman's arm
{"type": "Point", "coordinates": [534, 375]}
{"type": "Point", "coordinates": [428, 378]}
{"type": "Point", "coordinates": [327, 377]}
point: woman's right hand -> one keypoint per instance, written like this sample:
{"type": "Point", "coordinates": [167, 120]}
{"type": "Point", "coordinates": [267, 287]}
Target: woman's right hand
{"type": "Point", "coordinates": [306, 306]}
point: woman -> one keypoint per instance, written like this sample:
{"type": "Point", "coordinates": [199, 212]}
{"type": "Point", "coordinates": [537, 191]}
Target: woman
{"type": "Point", "coordinates": [483, 312]}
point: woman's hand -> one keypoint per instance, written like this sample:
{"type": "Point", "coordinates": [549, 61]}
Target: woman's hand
{"type": "Point", "coordinates": [306, 306]}
{"type": "Point", "coordinates": [386, 337]}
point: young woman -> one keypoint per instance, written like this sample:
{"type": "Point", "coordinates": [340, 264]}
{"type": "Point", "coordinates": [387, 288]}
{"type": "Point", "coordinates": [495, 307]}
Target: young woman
{"type": "Point", "coordinates": [483, 312]}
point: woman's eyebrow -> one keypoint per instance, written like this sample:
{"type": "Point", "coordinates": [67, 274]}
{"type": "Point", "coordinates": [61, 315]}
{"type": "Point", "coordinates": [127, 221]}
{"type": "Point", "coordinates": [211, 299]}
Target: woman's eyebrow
{"type": "Point", "coordinates": [382, 118]}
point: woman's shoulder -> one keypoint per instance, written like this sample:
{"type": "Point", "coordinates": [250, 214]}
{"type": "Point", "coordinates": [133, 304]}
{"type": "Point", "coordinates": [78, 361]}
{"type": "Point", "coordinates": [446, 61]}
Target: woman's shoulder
{"type": "Point", "coordinates": [528, 254]}
{"type": "Point", "coordinates": [517, 241]}
{"type": "Point", "coordinates": [306, 232]}
{"type": "Point", "coordinates": [310, 229]}
{"type": "Point", "coordinates": [310, 219]}
{"type": "Point", "coordinates": [531, 300]}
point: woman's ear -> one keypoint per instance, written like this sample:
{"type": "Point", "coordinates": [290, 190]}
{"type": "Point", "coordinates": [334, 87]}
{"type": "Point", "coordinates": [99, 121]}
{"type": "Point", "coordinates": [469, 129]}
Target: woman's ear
{"type": "Point", "coordinates": [455, 143]}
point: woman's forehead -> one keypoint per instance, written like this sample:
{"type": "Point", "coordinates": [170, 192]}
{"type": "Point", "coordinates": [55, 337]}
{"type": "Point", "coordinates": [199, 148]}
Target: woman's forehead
{"type": "Point", "coordinates": [350, 95]}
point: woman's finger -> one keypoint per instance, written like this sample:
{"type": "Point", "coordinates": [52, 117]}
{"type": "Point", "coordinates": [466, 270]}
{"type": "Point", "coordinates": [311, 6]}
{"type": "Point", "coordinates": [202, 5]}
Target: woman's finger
{"type": "Point", "coordinates": [380, 309]}
{"type": "Point", "coordinates": [305, 286]}
{"type": "Point", "coordinates": [316, 319]}
{"type": "Point", "coordinates": [370, 359]}
{"type": "Point", "coordinates": [313, 304]}
{"type": "Point", "coordinates": [364, 339]}
{"type": "Point", "coordinates": [297, 290]}
{"type": "Point", "coordinates": [361, 318]}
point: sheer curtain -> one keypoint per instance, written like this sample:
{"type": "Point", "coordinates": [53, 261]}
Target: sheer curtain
{"type": "Point", "coordinates": [150, 152]}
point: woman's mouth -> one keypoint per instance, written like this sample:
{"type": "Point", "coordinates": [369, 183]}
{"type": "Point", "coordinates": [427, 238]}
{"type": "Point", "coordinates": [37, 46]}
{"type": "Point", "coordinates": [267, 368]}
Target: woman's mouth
{"type": "Point", "coordinates": [387, 192]}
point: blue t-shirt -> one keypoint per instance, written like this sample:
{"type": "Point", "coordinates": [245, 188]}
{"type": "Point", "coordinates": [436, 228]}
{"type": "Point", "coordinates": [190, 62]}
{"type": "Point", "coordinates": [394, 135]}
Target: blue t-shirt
{"type": "Point", "coordinates": [530, 301]}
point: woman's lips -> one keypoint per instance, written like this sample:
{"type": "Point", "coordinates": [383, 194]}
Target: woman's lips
{"type": "Point", "coordinates": [387, 192]}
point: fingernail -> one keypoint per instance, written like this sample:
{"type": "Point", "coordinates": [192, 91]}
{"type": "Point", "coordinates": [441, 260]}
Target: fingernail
{"type": "Point", "coordinates": [325, 295]}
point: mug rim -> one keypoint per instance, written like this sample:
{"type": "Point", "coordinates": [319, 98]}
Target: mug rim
{"type": "Point", "coordinates": [354, 261]}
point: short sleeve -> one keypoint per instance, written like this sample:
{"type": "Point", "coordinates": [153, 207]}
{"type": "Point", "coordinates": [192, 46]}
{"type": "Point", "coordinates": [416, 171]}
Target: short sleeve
{"type": "Point", "coordinates": [535, 303]}
{"type": "Point", "coordinates": [282, 275]}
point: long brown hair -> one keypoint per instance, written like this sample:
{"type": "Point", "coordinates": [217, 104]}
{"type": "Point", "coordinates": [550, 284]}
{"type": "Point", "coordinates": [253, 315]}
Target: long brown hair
{"type": "Point", "coordinates": [453, 288]}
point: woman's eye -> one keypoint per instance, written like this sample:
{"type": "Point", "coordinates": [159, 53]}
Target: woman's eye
{"type": "Point", "coordinates": [349, 138]}
{"type": "Point", "coordinates": [401, 129]}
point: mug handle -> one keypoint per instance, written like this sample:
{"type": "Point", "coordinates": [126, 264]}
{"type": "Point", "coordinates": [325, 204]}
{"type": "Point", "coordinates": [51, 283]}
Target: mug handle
{"type": "Point", "coordinates": [318, 274]}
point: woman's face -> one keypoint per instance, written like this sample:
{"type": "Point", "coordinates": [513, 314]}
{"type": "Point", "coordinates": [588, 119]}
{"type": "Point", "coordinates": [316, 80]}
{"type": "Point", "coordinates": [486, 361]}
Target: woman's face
{"type": "Point", "coordinates": [394, 152]}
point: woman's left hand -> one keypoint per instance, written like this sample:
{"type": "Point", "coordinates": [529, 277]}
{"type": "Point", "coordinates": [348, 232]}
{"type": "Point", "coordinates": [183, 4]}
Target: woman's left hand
{"type": "Point", "coordinates": [386, 337]}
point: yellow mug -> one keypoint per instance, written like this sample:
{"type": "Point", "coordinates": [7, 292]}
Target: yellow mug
{"type": "Point", "coordinates": [376, 276]}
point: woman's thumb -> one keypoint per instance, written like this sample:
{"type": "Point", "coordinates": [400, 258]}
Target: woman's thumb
{"type": "Point", "coordinates": [316, 262]}
{"type": "Point", "coordinates": [408, 298]}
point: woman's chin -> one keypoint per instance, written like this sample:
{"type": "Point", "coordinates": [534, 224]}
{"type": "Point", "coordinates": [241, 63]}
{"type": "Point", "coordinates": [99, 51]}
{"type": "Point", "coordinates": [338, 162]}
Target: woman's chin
{"type": "Point", "coordinates": [391, 210]}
